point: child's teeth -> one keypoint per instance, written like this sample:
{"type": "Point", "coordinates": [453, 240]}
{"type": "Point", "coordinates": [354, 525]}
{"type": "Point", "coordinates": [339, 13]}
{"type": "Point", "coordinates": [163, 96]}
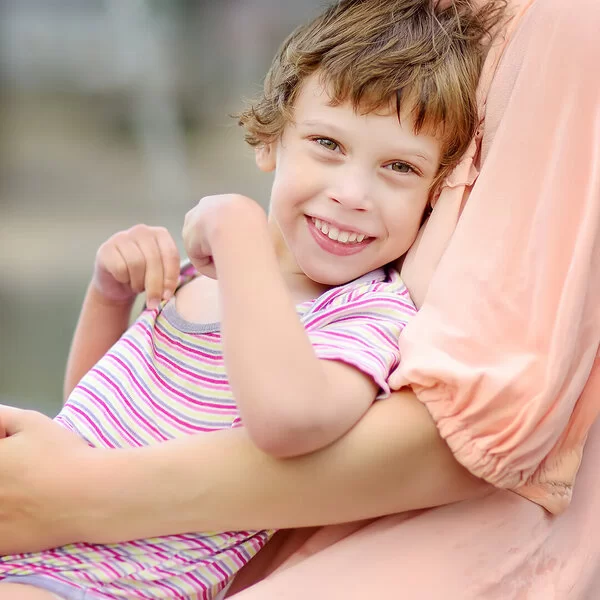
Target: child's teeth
{"type": "Point", "coordinates": [344, 237]}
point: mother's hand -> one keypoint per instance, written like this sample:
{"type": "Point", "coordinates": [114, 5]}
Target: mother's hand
{"type": "Point", "coordinates": [32, 455]}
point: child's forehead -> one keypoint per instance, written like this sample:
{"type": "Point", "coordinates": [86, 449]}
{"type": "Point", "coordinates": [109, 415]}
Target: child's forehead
{"type": "Point", "coordinates": [317, 92]}
{"type": "Point", "coordinates": [323, 88]}
{"type": "Point", "coordinates": [317, 96]}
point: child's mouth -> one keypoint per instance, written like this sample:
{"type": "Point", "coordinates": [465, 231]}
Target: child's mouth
{"type": "Point", "coordinates": [334, 241]}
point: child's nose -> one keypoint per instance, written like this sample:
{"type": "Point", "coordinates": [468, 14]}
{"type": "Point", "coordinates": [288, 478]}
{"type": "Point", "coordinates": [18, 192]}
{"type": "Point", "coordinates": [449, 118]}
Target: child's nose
{"type": "Point", "coordinates": [352, 190]}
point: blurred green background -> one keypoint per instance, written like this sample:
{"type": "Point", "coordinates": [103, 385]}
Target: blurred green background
{"type": "Point", "coordinates": [112, 112]}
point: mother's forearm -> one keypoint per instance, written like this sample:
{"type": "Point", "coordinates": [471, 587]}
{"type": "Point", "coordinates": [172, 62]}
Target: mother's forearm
{"type": "Point", "coordinates": [392, 461]}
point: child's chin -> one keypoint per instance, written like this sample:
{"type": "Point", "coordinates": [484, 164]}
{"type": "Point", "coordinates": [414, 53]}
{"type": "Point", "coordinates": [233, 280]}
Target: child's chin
{"type": "Point", "coordinates": [332, 279]}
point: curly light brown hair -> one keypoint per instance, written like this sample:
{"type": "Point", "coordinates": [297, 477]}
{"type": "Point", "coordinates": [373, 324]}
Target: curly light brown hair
{"type": "Point", "coordinates": [376, 52]}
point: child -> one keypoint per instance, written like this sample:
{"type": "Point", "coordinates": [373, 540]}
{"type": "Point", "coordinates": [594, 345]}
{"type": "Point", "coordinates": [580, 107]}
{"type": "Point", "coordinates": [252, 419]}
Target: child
{"type": "Point", "coordinates": [296, 317]}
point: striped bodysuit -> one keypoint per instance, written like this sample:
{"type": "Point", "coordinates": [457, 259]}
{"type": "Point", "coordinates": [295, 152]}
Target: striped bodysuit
{"type": "Point", "coordinates": [166, 378]}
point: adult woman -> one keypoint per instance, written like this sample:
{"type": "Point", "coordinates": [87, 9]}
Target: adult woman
{"type": "Point", "coordinates": [499, 354]}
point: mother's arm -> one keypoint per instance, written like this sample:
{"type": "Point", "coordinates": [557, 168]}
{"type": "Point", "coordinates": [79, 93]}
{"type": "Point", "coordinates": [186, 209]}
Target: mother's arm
{"type": "Point", "coordinates": [55, 490]}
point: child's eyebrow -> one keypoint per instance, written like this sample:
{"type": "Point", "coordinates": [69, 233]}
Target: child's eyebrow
{"type": "Point", "coordinates": [420, 154]}
{"type": "Point", "coordinates": [323, 124]}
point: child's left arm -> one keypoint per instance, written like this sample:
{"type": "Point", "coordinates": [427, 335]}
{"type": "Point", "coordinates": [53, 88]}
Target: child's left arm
{"type": "Point", "coordinates": [290, 401]}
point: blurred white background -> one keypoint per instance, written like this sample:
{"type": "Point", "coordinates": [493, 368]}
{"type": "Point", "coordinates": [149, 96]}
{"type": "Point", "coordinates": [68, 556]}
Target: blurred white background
{"type": "Point", "coordinates": [112, 112]}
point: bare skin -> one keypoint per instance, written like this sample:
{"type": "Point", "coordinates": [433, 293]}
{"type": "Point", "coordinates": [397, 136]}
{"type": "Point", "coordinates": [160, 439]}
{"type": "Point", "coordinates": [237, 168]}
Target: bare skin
{"type": "Point", "coordinates": [103, 496]}
{"type": "Point", "coordinates": [17, 591]}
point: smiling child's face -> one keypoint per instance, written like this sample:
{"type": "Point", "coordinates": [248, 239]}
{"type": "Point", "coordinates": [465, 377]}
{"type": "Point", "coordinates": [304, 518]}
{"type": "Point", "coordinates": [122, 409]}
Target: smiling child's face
{"type": "Point", "coordinates": [350, 189]}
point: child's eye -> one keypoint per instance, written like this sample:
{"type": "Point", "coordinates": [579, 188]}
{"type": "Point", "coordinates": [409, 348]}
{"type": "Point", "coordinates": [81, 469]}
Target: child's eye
{"type": "Point", "coordinates": [401, 167]}
{"type": "Point", "coordinates": [327, 143]}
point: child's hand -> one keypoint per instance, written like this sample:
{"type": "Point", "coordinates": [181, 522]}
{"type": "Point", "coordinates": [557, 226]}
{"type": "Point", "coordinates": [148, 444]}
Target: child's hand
{"type": "Point", "coordinates": [139, 259]}
{"type": "Point", "coordinates": [215, 218]}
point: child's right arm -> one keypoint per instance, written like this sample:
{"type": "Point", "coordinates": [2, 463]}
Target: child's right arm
{"type": "Point", "coordinates": [292, 399]}
{"type": "Point", "coordinates": [139, 259]}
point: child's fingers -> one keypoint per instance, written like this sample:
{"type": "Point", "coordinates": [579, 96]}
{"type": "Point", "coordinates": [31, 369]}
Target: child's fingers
{"type": "Point", "coordinates": [142, 258]}
{"type": "Point", "coordinates": [153, 272]}
{"type": "Point", "coordinates": [170, 261]}
{"type": "Point", "coordinates": [135, 261]}
{"type": "Point", "coordinates": [110, 260]}
{"type": "Point", "coordinates": [206, 266]}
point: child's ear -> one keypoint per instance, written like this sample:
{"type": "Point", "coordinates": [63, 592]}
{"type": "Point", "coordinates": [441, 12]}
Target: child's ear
{"type": "Point", "coordinates": [265, 157]}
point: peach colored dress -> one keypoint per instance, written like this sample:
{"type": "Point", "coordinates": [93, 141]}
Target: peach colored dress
{"type": "Point", "coordinates": [504, 352]}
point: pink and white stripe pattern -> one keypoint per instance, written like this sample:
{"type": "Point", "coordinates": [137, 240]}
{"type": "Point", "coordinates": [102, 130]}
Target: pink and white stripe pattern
{"type": "Point", "coordinates": [166, 378]}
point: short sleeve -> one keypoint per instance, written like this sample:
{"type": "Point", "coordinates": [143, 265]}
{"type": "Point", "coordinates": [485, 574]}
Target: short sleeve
{"type": "Point", "coordinates": [360, 324]}
{"type": "Point", "coordinates": [510, 327]}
